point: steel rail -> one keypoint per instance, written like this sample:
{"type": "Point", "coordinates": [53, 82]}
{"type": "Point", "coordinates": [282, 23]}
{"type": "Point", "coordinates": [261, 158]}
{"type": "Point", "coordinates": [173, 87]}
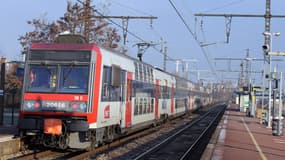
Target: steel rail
{"type": "Point", "coordinates": [170, 138]}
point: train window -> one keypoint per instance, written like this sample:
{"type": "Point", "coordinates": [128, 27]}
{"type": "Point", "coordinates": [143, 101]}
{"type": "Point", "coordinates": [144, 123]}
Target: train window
{"type": "Point", "coordinates": [136, 71]}
{"type": "Point", "coordinates": [148, 74]}
{"type": "Point", "coordinates": [164, 92]}
{"type": "Point", "coordinates": [161, 95]}
{"type": "Point", "coordinates": [140, 105]}
{"type": "Point", "coordinates": [111, 92]}
{"type": "Point", "coordinates": [152, 105]}
{"type": "Point", "coordinates": [145, 106]}
{"type": "Point", "coordinates": [73, 79]}
{"type": "Point", "coordinates": [144, 73]}
{"type": "Point", "coordinates": [136, 112]}
{"type": "Point", "coordinates": [106, 81]}
{"type": "Point", "coordinates": [143, 93]}
{"type": "Point", "coordinates": [57, 78]}
{"type": "Point", "coordinates": [148, 105]}
{"type": "Point", "coordinates": [41, 78]}
{"type": "Point", "coordinates": [140, 72]}
{"type": "Point", "coordinates": [151, 75]}
{"type": "Point", "coordinates": [82, 56]}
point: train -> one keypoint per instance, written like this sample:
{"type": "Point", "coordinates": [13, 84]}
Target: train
{"type": "Point", "coordinates": [81, 95]}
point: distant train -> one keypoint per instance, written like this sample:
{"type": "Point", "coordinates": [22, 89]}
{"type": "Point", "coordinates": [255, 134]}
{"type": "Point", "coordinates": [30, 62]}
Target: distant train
{"type": "Point", "coordinates": [80, 95]}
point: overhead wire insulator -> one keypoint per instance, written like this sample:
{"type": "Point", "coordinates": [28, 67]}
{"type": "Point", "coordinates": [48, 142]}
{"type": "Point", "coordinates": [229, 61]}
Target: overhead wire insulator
{"type": "Point", "coordinates": [125, 22]}
{"type": "Point", "coordinates": [228, 27]}
{"type": "Point", "coordinates": [151, 22]}
{"type": "Point", "coordinates": [195, 28]}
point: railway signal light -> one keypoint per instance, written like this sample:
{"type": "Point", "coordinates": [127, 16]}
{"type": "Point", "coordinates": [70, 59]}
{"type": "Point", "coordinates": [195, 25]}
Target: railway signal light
{"type": "Point", "coordinates": [266, 49]}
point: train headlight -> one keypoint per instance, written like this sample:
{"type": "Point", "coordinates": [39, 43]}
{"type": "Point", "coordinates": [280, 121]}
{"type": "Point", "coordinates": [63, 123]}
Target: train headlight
{"type": "Point", "coordinates": [32, 105]}
{"type": "Point", "coordinates": [78, 106]}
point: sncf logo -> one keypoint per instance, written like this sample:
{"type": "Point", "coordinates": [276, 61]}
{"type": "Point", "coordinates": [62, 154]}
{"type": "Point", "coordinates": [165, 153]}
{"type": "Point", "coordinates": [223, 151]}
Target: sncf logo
{"type": "Point", "coordinates": [107, 112]}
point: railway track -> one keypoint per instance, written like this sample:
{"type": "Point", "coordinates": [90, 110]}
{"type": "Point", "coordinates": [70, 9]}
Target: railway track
{"type": "Point", "coordinates": [186, 143]}
{"type": "Point", "coordinates": [137, 144]}
{"type": "Point", "coordinates": [126, 144]}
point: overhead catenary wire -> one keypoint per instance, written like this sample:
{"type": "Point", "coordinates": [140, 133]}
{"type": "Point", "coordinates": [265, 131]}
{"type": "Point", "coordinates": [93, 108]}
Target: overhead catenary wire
{"type": "Point", "coordinates": [193, 35]}
{"type": "Point", "coordinates": [226, 5]}
{"type": "Point", "coordinates": [130, 8]}
{"type": "Point", "coordinates": [138, 11]}
{"type": "Point", "coordinates": [132, 34]}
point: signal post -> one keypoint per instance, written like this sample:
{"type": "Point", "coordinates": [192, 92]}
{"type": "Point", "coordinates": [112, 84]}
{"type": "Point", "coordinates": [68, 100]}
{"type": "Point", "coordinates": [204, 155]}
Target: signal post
{"type": "Point", "coordinates": [2, 90]}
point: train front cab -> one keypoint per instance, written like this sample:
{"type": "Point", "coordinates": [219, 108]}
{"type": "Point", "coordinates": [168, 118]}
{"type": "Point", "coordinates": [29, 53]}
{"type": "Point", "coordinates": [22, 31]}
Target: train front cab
{"type": "Point", "coordinates": [57, 104]}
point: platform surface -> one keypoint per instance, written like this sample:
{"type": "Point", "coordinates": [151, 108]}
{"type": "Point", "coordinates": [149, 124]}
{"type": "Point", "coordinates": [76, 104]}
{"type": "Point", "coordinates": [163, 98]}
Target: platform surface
{"type": "Point", "coordinates": [242, 138]}
{"type": "Point", "coordinates": [9, 144]}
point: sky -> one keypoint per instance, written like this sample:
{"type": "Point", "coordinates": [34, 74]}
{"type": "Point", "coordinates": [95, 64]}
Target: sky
{"type": "Point", "coordinates": [246, 33]}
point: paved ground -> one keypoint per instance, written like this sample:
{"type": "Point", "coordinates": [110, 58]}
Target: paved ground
{"type": "Point", "coordinates": [243, 138]}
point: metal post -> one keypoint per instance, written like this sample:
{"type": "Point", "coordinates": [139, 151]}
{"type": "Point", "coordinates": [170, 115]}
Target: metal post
{"type": "Point", "coordinates": [87, 20]}
{"type": "Point", "coordinates": [198, 75]}
{"type": "Point", "coordinates": [262, 99]}
{"type": "Point", "coordinates": [269, 94]}
{"type": "Point", "coordinates": [268, 40]}
{"type": "Point", "coordinates": [177, 66]}
{"type": "Point", "coordinates": [3, 64]}
{"type": "Point", "coordinates": [277, 121]}
{"type": "Point", "coordinates": [267, 20]}
{"type": "Point", "coordinates": [164, 58]}
{"type": "Point", "coordinates": [13, 107]}
{"type": "Point", "coordinates": [280, 95]}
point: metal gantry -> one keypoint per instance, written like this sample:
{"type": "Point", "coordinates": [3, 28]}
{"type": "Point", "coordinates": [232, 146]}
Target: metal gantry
{"type": "Point", "coordinates": [125, 22]}
{"type": "Point", "coordinates": [267, 59]}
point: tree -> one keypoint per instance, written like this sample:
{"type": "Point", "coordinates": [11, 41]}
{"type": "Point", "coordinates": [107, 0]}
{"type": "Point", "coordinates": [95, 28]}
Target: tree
{"type": "Point", "coordinates": [13, 81]}
{"type": "Point", "coordinates": [78, 19]}
{"type": "Point", "coordinates": [13, 84]}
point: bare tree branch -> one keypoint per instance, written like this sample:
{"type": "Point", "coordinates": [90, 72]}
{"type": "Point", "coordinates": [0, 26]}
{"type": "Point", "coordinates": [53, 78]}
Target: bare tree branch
{"type": "Point", "coordinates": [74, 21]}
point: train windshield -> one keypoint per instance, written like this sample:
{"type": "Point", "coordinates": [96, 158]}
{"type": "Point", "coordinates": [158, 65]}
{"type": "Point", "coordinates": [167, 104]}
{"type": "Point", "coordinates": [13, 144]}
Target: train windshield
{"type": "Point", "coordinates": [58, 78]}
{"type": "Point", "coordinates": [73, 79]}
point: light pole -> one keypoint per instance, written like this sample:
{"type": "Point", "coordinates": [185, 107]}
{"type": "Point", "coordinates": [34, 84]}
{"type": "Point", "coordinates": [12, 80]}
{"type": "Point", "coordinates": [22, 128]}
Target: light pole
{"type": "Point", "coordinates": [269, 34]}
{"type": "Point", "coordinates": [251, 102]}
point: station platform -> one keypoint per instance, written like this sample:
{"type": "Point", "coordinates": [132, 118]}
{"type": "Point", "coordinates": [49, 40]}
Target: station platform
{"type": "Point", "coordinates": [239, 137]}
{"type": "Point", "coordinates": [9, 144]}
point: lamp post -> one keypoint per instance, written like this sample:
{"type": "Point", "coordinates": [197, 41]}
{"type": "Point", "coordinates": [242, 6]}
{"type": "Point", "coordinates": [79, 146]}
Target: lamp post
{"type": "Point", "coordinates": [2, 88]}
{"type": "Point", "coordinates": [251, 102]}
{"type": "Point", "coordinates": [269, 49]}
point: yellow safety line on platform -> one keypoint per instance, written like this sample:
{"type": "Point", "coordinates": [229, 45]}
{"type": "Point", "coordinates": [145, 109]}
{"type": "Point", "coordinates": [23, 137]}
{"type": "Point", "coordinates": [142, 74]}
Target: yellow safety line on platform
{"type": "Point", "coordinates": [254, 141]}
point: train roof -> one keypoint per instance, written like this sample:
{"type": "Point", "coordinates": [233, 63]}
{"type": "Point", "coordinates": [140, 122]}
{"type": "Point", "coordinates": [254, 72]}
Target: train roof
{"type": "Point", "coordinates": [96, 47]}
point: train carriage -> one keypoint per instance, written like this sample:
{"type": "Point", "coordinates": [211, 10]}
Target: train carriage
{"type": "Point", "coordinates": [165, 84]}
{"type": "Point", "coordinates": [80, 95]}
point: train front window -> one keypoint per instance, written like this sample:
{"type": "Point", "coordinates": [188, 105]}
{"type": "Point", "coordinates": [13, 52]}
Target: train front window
{"type": "Point", "coordinates": [58, 78]}
{"type": "Point", "coordinates": [73, 79]}
{"type": "Point", "coordinates": [42, 78]}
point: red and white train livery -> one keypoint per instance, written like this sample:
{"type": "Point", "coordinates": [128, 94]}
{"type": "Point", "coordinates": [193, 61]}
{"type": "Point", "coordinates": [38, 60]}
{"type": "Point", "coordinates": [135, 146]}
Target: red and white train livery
{"type": "Point", "coordinates": [81, 95]}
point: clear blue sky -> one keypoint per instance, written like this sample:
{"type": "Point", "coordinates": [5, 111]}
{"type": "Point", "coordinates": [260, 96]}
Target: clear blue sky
{"type": "Point", "coordinates": [245, 32]}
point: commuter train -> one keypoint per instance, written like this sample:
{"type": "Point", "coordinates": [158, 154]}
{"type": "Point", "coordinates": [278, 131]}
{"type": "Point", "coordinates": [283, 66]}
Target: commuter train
{"type": "Point", "coordinates": [80, 95]}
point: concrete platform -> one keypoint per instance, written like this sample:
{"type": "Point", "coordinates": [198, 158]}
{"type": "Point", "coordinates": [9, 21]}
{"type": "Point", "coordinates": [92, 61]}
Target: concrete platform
{"type": "Point", "coordinates": [9, 144]}
{"type": "Point", "coordinates": [240, 137]}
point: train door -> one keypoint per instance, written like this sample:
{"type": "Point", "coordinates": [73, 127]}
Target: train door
{"type": "Point", "coordinates": [123, 95]}
{"type": "Point", "coordinates": [156, 99]}
{"type": "Point", "coordinates": [163, 97]}
{"type": "Point", "coordinates": [128, 115]}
